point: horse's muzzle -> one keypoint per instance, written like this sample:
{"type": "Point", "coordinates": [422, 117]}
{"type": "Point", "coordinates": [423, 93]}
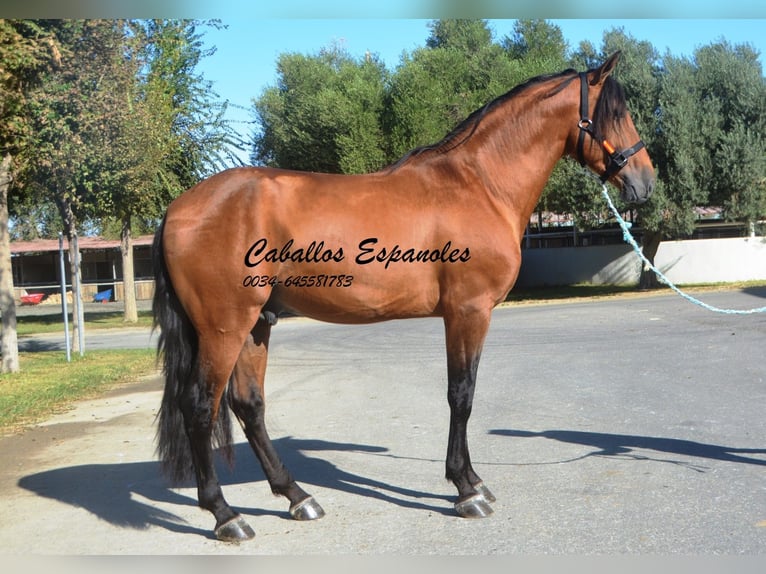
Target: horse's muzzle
{"type": "Point", "coordinates": [637, 187]}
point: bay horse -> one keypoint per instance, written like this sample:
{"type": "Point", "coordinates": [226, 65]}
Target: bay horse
{"type": "Point", "coordinates": [437, 234]}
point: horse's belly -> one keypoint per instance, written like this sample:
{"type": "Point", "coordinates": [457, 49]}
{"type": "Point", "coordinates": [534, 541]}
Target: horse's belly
{"type": "Point", "coordinates": [348, 298]}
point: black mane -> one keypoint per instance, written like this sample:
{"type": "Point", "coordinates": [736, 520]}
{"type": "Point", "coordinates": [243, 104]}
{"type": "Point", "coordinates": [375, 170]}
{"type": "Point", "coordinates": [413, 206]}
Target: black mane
{"type": "Point", "coordinates": [468, 126]}
{"type": "Point", "coordinates": [611, 106]}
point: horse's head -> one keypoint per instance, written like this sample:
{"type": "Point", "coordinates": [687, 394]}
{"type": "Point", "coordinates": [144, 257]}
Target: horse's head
{"type": "Point", "coordinates": [607, 140]}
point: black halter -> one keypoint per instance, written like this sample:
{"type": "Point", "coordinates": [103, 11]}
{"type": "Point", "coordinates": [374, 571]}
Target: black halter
{"type": "Point", "coordinates": [617, 159]}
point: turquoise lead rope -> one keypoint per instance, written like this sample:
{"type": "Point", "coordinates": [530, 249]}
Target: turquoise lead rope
{"type": "Point", "coordinates": [626, 235]}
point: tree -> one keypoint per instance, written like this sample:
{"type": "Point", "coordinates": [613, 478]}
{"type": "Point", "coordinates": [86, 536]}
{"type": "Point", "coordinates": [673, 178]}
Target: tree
{"type": "Point", "coordinates": [729, 79]}
{"type": "Point", "coordinates": [10, 346]}
{"type": "Point", "coordinates": [539, 43]}
{"type": "Point", "coordinates": [129, 137]}
{"type": "Point", "coordinates": [123, 126]}
{"type": "Point", "coordinates": [680, 158]}
{"type": "Point", "coordinates": [323, 114]}
{"type": "Point", "coordinates": [466, 36]}
{"type": "Point", "coordinates": [333, 113]}
{"type": "Point", "coordinates": [702, 121]}
{"type": "Point", "coordinates": [741, 157]}
{"type": "Point", "coordinates": [68, 111]}
{"type": "Point", "coordinates": [25, 50]}
{"type": "Point", "coordinates": [710, 144]}
{"type": "Point", "coordinates": [165, 130]}
{"type": "Point", "coordinates": [436, 87]}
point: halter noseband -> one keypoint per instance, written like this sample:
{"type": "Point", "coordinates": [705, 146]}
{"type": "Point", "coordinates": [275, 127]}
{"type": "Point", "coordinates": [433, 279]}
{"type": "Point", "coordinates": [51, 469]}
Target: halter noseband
{"type": "Point", "coordinates": [617, 159]}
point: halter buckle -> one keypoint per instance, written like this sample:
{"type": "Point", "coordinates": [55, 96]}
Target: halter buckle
{"type": "Point", "coordinates": [619, 159]}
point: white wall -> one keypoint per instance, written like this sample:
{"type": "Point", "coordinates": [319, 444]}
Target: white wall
{"type": "Point", "coordinates": [683, 262]}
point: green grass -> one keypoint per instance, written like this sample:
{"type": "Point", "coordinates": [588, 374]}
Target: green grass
{"type": "Point", "coordinates": [568, 292]}
{"type": "Point", "coordinates": [47, 384]}
{"type": "Point", "coordinates": [587, 291]}
{"type": "Point", "coordinates": [53, 322]}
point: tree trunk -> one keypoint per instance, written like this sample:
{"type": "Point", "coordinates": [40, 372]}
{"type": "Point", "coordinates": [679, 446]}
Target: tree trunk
{"type": "Point", "coordinates": [78, 314]}
{"type": "Point", "coordinates": [10, 345]}
{"type": "Point", "coordinates": [128, 283]}
{"type": "Point", "coordinates": [651, 244]}
{"type": "Point", "coordinates": [70, 230]}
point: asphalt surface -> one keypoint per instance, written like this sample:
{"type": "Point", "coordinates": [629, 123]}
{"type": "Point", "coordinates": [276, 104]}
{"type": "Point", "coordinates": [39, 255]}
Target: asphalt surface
{"type": "Point", "coordinates": [119, 338]}
{"type": "Point", "coordinates": [631, 426]}
{"type": "Point", "coordinates": [95, 339]}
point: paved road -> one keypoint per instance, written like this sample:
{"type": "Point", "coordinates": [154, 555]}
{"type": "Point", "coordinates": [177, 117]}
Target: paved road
{"type": "Point", "coordinates": [121, 338]}
{"type": "Point", "coordinates": [629, 426]}
{"type": "Point", "coordinates": [118, 338]}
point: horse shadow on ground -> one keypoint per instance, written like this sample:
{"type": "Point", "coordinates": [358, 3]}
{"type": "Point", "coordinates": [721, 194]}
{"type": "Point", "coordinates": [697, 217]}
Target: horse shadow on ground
{"type": "Point", "coordinates": [628, 446]}
{"type": "Point", "coordinates": [110, 491]}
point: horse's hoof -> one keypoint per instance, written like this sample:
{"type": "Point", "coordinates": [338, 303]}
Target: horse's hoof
{"type": "Point", "coordinates": [484, 491]}
{"type": "Point", "coordinates": [306, 509]}
{"type": "Point", "coordinates": [475, 506]}
{"type": "Point", "coordinates": [235, 530]}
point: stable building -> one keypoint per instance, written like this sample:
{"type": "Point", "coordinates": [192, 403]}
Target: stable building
{"type": "Point", "coordinates": [36, 268]}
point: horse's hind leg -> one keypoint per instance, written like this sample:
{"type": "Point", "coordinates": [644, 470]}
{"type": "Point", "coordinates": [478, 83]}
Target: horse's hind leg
{"type": "Point", "coordinates": [465, 333]}
{"type": "Point", "coordinates": [200, 404]}
{"type": "Point", "coordinates": [248, 403]}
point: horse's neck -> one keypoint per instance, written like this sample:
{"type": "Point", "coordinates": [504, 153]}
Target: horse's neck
{"type": "Point", "coordinates": [514, 153]}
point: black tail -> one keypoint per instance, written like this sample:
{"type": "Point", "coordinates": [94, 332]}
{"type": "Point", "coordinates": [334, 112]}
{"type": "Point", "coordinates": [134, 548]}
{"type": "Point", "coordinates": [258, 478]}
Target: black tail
{"type": "Point", "coordinates": [178, 348]}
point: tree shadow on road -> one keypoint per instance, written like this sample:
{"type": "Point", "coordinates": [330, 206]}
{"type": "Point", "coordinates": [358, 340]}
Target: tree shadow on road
{"type": "Point", "coordinates": [627, 446]}
{"type": "Point", "coordinates": [112, 491]}
{"type": "Point", "coordinates": [32, 345]}
{"type": "Point", "coordinates": [756, 291]}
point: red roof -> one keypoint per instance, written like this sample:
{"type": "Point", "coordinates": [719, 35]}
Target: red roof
{"type": "Point", "coordinates": [84, 243]}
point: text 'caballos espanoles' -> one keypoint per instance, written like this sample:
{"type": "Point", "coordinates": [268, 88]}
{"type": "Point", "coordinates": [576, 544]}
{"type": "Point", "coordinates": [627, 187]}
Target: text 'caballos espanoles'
{"type": "Point", "coordinates": [368, 251]}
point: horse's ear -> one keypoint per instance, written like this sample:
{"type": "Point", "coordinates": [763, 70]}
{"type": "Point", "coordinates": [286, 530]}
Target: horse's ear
{"type": "Point", "coordinates": [602, 72]}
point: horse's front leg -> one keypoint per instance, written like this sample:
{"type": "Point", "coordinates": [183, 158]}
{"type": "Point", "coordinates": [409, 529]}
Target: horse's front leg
{"type": "Point", "coordinates": [465, 333]}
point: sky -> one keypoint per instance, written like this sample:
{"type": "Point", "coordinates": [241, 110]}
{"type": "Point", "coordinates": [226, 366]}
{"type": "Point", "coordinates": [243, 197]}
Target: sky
{"type": "Point", "coordinates": [244, 63]}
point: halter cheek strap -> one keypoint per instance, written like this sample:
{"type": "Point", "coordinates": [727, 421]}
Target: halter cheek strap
{"type": "Point", "coordinates": [585, 123]}
{"type": "Point", "coordinates": [617, 159]}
